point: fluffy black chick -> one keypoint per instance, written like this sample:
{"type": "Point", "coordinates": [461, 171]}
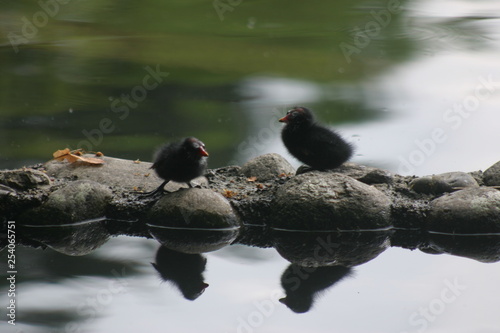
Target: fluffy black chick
{"type": "Point", "coordinates": [180, 161]}
{"type": "Point", "coordinates": [311, 143]}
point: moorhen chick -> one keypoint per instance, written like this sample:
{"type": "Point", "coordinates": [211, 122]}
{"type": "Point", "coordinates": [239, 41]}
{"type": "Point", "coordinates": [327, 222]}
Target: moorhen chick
{"type": "Point", "coordinates": [179, 161]}
{"type": "Point", "coordinates": [312, 144]}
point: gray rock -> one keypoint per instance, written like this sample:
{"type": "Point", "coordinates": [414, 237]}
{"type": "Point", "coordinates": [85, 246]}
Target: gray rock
{"type": "Point", "coordinates": [75, 202]}
{"type": "Point", "coordinates": [472, 210]}
{"type": "Point", "coordinates": [492, 175]}
{"type": "Point", "coordinates": [365, 174]}
{"type": "Point", "coordinates": [193, 208]}
{"type": "Point", "coordinates": [329, 201]}
{"type": "Point", "coordinates": [445, 182]}
{"type": "Point", "coordinates": [23, 179]}
{"type": "Point", "coordinates": [266, 167]}
{"type": "Point", "coordinates": [116, 173]}
{"type": "Point", "coordinates": [193, 221]}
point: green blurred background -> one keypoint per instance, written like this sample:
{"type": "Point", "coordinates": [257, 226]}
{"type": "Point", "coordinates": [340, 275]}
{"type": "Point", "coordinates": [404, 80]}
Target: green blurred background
{"type": "Point", "coordinates": [77, 57]}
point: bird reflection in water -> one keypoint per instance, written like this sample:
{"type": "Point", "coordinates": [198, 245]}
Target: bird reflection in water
{"type": "Point", "coordinates": [303, 284]}
{"type": "Point", "coordinates": [183, 270]}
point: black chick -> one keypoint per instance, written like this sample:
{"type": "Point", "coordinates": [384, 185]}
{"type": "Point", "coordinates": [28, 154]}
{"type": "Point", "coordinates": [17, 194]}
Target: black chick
{"type": "Point", "coordinates": [180, 161]}
{"type": "Point", "coordinates": [311, 143]}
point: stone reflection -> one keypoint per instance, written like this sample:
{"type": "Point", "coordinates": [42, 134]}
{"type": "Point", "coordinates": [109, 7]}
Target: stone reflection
{"type": "Point", "coordinates": [303, 284]}
{"type": "Point", "coordinates": [183, 270]}
{"type": "Point", "coordinates": [78, 239]}
{"type": "Point", "coordinates": [319, 260]}
{"type": "Point", "coordinates": [317, 249]}
{"type": "Point", "coordinates": [483, 248]}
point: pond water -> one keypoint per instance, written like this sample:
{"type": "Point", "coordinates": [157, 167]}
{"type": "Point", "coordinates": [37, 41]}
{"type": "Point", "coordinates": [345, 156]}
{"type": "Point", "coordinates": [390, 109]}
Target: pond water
{"type": "Point", "coordinates": [415, 85]}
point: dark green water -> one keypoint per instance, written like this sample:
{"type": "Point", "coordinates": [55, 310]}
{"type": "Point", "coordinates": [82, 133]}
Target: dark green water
{"type": "Point", "coordinates": [123, 78]}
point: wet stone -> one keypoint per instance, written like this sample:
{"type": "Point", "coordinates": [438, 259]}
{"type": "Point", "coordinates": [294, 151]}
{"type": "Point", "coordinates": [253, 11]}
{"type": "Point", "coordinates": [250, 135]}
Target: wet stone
{"type": "Point", "coordinates": [193, 221]}
{"type": "Point", "coordinates": [75, 202]}
{"type": "Point", "coordinates": [193, 208]}
{"type": "Point", "coordinates": [442, 183]}
{"type": "Point", "coordinates": [329, 201]}
{"type": "Point", "coordinates": [472, 210]}
{"type": "Point", "coordinates": [266, 167]}
{"type": "Point", "coordinates": [491, 176]}
{"type": "Point", "coordinates": [23, 179]}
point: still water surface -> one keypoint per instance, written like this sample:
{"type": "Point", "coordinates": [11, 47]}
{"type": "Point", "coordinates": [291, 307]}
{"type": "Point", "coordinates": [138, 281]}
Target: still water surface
{"type": "Point", "coordinates": [415, 85]}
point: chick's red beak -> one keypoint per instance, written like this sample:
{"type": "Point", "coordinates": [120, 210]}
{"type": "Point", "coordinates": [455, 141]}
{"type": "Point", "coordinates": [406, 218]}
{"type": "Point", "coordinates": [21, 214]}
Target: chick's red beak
{"type": "Point", "coordinates": [203, 152]}
{"type": "Point", "coordinates": [284, 119]}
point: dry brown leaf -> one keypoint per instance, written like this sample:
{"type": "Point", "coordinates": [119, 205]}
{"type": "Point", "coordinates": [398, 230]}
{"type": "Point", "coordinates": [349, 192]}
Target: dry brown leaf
{"type": "Point", "coordinates": [260, 186]}
{"type": "Point", "coordinates": [74, 156]}
{"type": "Point", "coordinates": [251, 179]}
{"type": "Point", "coordinates": [60, 153]}
{"type": "Point", "coordinates": [99, 154]}
{"type": "Point", "coordinates": [229, 194]}
{"type": "Point", "coordinates": [91, 160]}
{"type": "Point", "coordinates": [137, 162]}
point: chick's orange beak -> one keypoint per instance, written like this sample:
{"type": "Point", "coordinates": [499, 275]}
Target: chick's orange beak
{"type": "Point", "coordinates": [284, 119]}
{"type": "Point", "coordinates": [203, 152]}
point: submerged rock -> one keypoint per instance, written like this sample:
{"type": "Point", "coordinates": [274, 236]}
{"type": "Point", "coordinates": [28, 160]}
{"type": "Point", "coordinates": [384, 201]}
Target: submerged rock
{"type": "Point", "coordinates": [267, 167]}
{"type": "Point", "coordinates": [329, 201]}
{"type": "Point", "coordinates": [472, 210]}
{"type": "Point", "coordinates": [492, 175]}
{"type": "Point", "coordinates": [445, 182]}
